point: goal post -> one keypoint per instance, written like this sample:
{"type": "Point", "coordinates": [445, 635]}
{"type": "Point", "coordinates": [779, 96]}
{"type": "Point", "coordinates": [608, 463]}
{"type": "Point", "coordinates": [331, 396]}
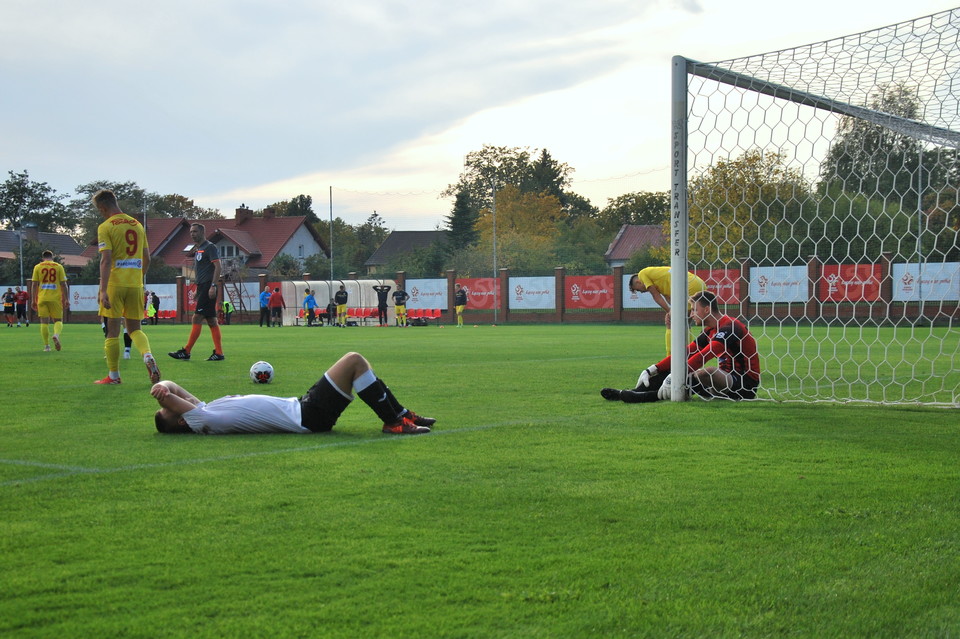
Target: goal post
{"type": "Point", "coordinates": [815, 190]}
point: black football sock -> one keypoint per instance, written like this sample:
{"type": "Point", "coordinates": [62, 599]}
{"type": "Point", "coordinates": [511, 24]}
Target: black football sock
{"type": "Point", "coordinates": [638, 397]}
{"type": "Point", "coordinates": [377, 397]}
{"type": "Point", "coordinates": [397, 406]}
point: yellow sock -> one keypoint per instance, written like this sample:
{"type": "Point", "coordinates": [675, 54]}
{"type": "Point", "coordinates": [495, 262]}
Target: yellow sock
{"type": "Point", "coordinates": [45, 334]}
{"type": "Point", "coordinates": [139, 339]}
{"type": "Point", "coordinates": [57, 327]}
{"type": "Point", "coordinates": [111, 347]}
{"type": "Point", "coordinates": [668, 341]}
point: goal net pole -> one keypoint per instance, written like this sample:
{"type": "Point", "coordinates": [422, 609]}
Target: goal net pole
{"type": "Point", "coordinates": [679, 225]}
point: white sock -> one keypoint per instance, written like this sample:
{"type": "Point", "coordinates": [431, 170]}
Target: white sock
{"type": "Point", "coordinates": [364, 380]}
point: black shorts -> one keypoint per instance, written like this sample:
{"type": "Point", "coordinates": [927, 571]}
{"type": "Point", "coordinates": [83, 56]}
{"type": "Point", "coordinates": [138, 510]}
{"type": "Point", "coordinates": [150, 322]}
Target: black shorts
{"type": "Point", "coordinates": [742, 386]}
{"type": "Point", "coordinates": [205, 306]}
{"type": "Point", "coordinates": [321, 406]}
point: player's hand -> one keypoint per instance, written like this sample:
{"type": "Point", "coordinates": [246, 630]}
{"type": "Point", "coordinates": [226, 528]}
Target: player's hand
{"type": "Point", "coordinates": [104, 300]}
{"type": "Point", "coordinates": [159, 391]}
{"type": "Point", "coordinates": [665, 392]}
{"type": "Point", "coordinates": [644, 379]}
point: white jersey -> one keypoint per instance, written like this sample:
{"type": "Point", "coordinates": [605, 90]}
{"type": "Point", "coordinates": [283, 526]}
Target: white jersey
{"type": "Point", "coordinates": [246, 414]}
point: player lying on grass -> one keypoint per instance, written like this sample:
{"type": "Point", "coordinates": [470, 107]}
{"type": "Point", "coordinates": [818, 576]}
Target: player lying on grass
{"type": "Point", "coordinates": [317, 411]}
{"type": "Point", "coordinates": [736, 376]}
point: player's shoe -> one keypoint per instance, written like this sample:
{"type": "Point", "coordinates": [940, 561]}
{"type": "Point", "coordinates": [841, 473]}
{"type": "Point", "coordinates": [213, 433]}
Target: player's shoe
{"type": "Point", "coordinates": [152, 369]}
{"type": "Point", "coordinates": [46, 349]}
{"type": "Point", "coordinates": [56, 342]}
{"type": "Point", "coordinates": [420, 420]}
{"type": "Point", "coordinates": [180, 354]}
{"type": "Point", "coordinates": [107, 380]}
{"type": "Point", "coordinates": [404, 426]}
{"type": "Point", "coordinates": [216, 357]}
{"type": "Point", "coordinates": [126, 354]}
{"type": "Point", "coordinates": [613, 394]}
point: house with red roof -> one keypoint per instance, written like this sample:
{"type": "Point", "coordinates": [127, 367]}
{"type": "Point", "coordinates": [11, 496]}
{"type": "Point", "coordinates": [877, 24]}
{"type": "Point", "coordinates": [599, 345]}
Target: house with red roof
{"type": "Point", "coordinates": [245, 243]}
{"type": "Point", "coordinates": [632, 238]}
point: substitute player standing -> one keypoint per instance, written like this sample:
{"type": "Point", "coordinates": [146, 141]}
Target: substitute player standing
{"type": "Point", "coordinates": [656, 281]}
{"type": "Point", "coordinates": [207, 266]}
{"type": "Point", "coordinates": [124, 260]}
{"type": "Point", "coordinates": [400, 298]}
{"type": "Point", "coordinates": [48, 289]}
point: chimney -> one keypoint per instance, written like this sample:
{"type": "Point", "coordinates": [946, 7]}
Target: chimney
{"type": "Point", "coordinates": [243, 214]}
{"type": "Point", "coordinates": [269, 213]}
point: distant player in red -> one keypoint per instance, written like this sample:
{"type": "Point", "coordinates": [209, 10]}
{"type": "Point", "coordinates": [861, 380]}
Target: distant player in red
{"type": "Point", "coordinates": [736, 376]}
{"type": "Point", "coordinates": [22, 298]}
{"type": "Point", "coordinates": [276, 306]}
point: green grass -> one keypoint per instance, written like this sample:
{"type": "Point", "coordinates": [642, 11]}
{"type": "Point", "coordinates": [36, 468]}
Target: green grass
{"type": "Point", "coordinates": [535, 509]}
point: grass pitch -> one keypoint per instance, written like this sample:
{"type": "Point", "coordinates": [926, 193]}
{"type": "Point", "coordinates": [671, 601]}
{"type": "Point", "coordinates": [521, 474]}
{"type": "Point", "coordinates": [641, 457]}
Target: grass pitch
{"type": "Point", "coordinates": [535, 509]}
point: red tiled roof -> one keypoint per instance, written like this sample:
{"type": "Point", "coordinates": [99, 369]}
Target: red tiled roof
{"type": "Point", "coordinates": [632, 238]}
{"type": "Point", "coordinates": [261, 238]}
{"type": "Point", "coordinates": [242, 239]}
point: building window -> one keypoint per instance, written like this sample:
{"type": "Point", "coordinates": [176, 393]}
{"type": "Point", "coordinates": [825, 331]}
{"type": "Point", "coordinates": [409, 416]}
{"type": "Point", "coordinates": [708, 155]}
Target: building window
{"type": "Point", "coordinates": [301, 251]}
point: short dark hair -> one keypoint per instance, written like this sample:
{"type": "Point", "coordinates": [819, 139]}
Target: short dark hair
{"type": "Point", "coordinates": [168, 426]}
{"type": "Point", "coordinates": [105, 198]}
{"type": "Point", "coordinates": [706, 298]}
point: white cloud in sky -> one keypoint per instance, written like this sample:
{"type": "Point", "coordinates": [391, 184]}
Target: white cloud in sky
{"type": "Point", "coordinates": [258, 101]}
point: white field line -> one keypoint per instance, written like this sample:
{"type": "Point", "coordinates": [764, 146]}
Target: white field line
{"type": "Point", "coordinates": [72, 471]}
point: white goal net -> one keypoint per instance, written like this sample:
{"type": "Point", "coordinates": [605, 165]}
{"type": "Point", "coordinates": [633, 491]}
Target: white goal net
{"type": "Point", "coordinates": [815, 191]}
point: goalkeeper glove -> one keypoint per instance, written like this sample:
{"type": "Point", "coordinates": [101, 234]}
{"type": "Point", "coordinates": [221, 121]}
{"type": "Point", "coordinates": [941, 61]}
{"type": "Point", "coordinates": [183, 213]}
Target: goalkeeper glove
{"type": "Point", "coordinates": [644, 379]}
{"type": "Point", "coordinates": [664, 392]}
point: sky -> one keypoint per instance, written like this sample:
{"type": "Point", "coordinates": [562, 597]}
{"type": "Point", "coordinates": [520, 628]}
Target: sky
{"type": "Point", "coordinates": [370, 105]}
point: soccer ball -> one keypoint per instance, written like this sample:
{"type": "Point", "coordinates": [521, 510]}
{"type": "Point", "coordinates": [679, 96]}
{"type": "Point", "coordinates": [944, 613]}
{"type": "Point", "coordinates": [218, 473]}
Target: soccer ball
{"type": "Point", "coordinates": [261, 373]}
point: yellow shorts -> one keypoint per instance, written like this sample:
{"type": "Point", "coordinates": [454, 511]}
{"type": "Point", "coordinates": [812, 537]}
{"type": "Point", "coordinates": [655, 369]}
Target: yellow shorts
{"type": "Point", "coordinates": [459, 309]}
{"type": "Point", "coordinates": [50, 308]}
{"type": "Point", "coordinates": [125, 301]}
{"type": "Point", "coordinates": [341, 309]}
{"type": "Point", "coordinates": [401, 309]}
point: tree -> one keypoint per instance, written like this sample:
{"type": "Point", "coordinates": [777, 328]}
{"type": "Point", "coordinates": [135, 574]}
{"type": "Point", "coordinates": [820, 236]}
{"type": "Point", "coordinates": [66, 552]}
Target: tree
{"type": "Point", "coordinates": [462, 222]}
{"type": "Point", "coordinates": [531, 214]}
{"type": "Point", "coordinates": [639, 207]}
{"type": "Point", "coordinates": [175, 205]}
{"type": "Point", "coordinates": [492, 167]}
{"type": "Point", "coordinates": [751, 206]}
{"type": "Point", "coordinates": [580, 245]}
{"type": "Point", "coordinates": [284, 267]}
{"type": "Point", "coordinates": [302, 206]}
{"type": "Point", "coordinates": [32, 255]}
{"type": "Point", "coordinates": [877, 161]}
{"type": "Point", "coordinates": [23, 199]}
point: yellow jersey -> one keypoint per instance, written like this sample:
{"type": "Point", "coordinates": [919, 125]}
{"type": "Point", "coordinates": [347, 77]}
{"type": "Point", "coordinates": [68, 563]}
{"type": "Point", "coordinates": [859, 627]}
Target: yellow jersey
{"type": "Point", "coordinates": [50, 278]}
{"type": "Point", "coordinates": [659, 276]}
{"type": "Point", "coordinates": [126, 240]}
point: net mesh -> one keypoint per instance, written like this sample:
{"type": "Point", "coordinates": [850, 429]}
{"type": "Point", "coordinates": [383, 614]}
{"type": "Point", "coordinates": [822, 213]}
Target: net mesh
{"type": "Point", "coordinates": [822, 201]}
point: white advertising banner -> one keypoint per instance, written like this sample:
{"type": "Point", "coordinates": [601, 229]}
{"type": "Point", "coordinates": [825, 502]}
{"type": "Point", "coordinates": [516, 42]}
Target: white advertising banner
{"type": "Point", "coordinates": [528, 293]}
{"type": "Point", "coordinates": [934, 282]}
{"type": "Point", "coordinates": [83, 297]}
{"type": "Point", "coordinates": [632, 299]}
{"type": "Point", "coordinates": [427, 293]}
{"type": "Point", "coordinates": [779, 284]}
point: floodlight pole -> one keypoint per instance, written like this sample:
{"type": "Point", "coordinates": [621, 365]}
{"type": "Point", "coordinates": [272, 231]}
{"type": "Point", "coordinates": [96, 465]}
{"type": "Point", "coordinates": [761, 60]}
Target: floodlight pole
{"type": "Point", "coordinates": [493, 209]}
{"type": "Point", "coordinates": [330, 288]}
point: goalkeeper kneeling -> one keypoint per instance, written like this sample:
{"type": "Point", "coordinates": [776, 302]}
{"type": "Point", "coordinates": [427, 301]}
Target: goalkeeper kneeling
{"type": "Point", "coordinates": [736, 376]}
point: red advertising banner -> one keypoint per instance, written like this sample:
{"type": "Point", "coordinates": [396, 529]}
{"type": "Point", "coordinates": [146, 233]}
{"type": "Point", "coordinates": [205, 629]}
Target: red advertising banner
{"type": "Point", "coordinates": [850, 283]}
{"type": "Point", "coordinates": [482, 292]}
{"type": "Point", "coordinates": [724, 282]}
{"type": "Point", "coordinates": [588, 291]}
